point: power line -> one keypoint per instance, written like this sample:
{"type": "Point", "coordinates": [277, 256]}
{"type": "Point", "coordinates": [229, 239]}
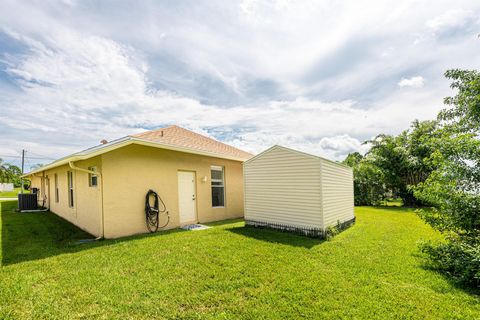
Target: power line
{"type": "Point", "coordinates": [40, 158]}
{"type": "Point", "coordinates": [9, 156]}
{"type": "Point", "coordinates": [34, 158]}
{"type": "Point", "coordinates": [39, 155]}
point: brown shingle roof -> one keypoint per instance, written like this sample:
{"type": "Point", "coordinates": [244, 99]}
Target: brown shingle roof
{"type": "Point", "coordinates": [180, 137]}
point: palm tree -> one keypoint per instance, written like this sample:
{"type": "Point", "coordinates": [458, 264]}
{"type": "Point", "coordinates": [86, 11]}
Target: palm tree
{"type": "Point", "coordinates": [3, 171]}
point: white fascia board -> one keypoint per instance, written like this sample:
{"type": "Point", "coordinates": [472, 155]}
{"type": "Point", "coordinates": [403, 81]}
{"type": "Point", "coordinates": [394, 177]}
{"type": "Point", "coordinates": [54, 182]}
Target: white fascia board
{"type": "Point", "coordinates": [82, 155]}
{"type": "Point", "coordinates": [98, 150]}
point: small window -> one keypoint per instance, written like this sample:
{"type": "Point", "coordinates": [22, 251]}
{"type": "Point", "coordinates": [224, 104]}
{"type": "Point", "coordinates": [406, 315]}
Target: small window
{"type": "Point", "coordinates": [70, 188]}
{"type": "Point", "coordinates": [218, 186]}
{"type": "Point", "coordinates": [56, 187]}
{"type": "Point", "coordinates": [92, 178]}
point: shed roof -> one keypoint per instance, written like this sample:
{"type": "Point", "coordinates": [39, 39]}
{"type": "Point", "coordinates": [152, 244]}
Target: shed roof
{"type": "Point", "coordinates": [259, 155]}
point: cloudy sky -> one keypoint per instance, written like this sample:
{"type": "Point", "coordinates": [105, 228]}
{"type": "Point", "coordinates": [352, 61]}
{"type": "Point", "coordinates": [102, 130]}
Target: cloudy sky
{"type": "Point", "coordinates": [319, 76]}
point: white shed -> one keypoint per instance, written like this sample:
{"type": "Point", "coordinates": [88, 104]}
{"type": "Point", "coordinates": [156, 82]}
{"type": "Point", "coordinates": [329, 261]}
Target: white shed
{"type": "Point", "coordinates": [296, 191]}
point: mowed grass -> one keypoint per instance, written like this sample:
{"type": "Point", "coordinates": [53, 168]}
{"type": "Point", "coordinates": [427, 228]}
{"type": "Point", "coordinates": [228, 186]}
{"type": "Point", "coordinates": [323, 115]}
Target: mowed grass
{"type": "Point", "coordinates": [372, 270]}
{"type": "Point", "coordinates": [12, 194]}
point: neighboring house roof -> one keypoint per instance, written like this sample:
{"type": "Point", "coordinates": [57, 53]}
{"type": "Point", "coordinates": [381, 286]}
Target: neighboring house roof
{"type": "Point", "coordinates": [171, 138]}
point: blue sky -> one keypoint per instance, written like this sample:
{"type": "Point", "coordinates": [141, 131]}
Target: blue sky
{"type": "Point", "coordinates": [319, 76]}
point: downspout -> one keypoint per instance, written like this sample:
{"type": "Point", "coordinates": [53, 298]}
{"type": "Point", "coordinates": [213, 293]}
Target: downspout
{"type": "Point", "coordinates": [42, 185]}
{"type": "Point", "coordinates": [84, 170]}
{"type": "Point", "coordinates": [98, 174]}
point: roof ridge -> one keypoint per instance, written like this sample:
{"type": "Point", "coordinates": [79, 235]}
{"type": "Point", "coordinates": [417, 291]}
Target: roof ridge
{"type": "Point", "coordinates": [203, 136]}
{"type": "Point", "coordinates": [153, 130]}
{"type": "Point", "coordinates": [186, 134]}
{"type": "Point", "coordinates": [191, 142]}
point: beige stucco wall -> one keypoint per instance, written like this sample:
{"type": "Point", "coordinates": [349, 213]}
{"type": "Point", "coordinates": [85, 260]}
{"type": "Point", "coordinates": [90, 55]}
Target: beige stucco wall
{"type": "Point", "coordinates": [129, 172]}
{"type": "Point", "coordinates": [87, 209]}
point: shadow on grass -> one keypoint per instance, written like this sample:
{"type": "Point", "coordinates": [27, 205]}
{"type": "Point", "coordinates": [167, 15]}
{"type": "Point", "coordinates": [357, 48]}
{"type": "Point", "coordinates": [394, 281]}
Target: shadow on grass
{"type": "Point", "coordinates": [429, 266]}
{"type": "Point", "coordinates": [34, 236]}
{"type": "Point", "coordinates": [276, 236]}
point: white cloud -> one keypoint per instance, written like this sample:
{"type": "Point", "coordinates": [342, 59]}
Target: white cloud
{"type": "Point", "coordinates": [414, 82]}
{"type": "Point", "coordinates": [450, 19]}
{"type": "Point", "coordinates": [95, 88]}
{"type": "Point", "coordinates": [316, 76]}
{"type": "Point", "coordinates": [342, 144]}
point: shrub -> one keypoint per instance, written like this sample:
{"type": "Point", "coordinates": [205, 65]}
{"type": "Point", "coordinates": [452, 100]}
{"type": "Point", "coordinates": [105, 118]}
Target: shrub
{"type": "Point", "coordinates": [453, 188]}
{"type": "Point", "coordinates": [457, 258]}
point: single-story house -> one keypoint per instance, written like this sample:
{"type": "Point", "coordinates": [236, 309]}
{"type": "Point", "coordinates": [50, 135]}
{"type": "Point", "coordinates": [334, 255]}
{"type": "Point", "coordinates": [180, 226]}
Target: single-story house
{"type": "Point", "coordinates": [102, 190]}
{"type": "Point", "coordinates": [292, 190]}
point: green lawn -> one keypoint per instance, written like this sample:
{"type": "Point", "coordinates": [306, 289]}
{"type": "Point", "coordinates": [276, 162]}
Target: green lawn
{"type": "Point", "coordinates": [372, 270]}
{"type": "Point", "coordinates": [11, 194]}
{"type": "Point", "coordinates": [392, 202]}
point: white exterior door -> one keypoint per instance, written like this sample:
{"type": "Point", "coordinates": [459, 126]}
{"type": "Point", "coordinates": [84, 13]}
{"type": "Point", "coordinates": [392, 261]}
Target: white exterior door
{"type": "Point", "coordinates": [187, 197]}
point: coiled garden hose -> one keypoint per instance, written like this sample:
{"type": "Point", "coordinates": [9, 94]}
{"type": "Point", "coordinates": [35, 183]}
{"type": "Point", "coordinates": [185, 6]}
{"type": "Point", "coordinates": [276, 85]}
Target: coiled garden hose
{"type": "Point", "coordinates": [152, 213]}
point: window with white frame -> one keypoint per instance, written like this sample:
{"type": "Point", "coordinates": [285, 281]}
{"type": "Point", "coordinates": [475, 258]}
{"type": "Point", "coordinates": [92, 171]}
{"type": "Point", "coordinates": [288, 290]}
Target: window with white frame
{"type": "Point", "coordinates": [218, 186]}
{"type": "Point", "coordinates": [92, 178]}
{"type": "Point", "coordinates": [70, 189]}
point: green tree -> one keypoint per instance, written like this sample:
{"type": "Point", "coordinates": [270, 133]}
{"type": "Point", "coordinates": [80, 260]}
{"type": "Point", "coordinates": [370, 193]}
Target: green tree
{"type": "Point", "coordinates": [9, 173]}
{"type": "Point", "coordinates": [403, 159]}
{"type": "Point", "coordinates": [353, 159]}
{"type": "Point", "coordinates": [368, 183]}
{"type": "Point", "coordinates": [4, 172]}
{"type": "Point", "coordinates": [464, 112]}
{"type": "Point", "coordinates": [453, 188]}
{"type": "Point", "coordinates": [15, 173]}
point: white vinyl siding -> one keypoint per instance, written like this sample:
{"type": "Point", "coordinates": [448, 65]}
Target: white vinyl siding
{"type": "Point", "coordinates": [284, 186]}
{"type": "Point", "coordinates": [337, 192]}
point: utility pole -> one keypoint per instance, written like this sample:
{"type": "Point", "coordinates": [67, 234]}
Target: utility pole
{"type": "Point", "coordinates": [23, 164]}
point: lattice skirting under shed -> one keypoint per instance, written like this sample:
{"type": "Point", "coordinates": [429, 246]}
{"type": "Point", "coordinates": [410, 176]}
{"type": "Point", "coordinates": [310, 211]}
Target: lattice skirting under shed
{"type": "Point", "coordinates": [306, 231]}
